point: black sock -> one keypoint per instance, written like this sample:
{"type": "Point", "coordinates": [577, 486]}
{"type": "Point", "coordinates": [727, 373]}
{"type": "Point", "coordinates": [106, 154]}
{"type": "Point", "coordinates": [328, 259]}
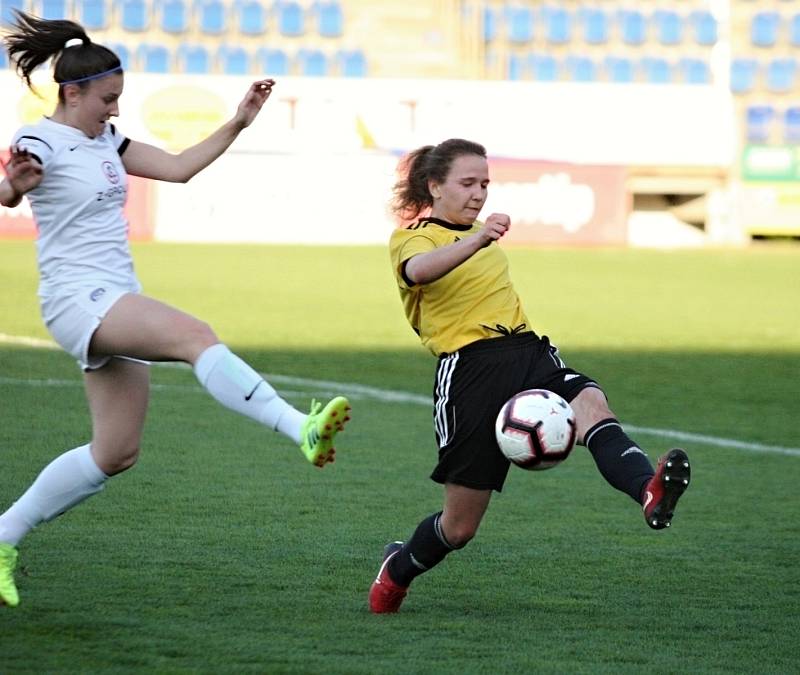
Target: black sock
{"type": "Point", "coordinates": [621, 461]}
{"type": "Point", "coordinates": [426, 548]}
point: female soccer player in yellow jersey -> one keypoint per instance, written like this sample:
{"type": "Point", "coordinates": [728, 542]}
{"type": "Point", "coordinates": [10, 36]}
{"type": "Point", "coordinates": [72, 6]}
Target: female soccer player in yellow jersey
{"type": "Point", "coordinates": [458, 297]}
{"type": "Point", "coordinates": [73, 166]}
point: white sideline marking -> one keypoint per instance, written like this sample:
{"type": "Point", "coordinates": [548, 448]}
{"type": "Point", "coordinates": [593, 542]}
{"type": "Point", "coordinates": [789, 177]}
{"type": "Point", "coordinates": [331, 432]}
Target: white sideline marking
{"type": "Point", "coordinates": [364, 392]}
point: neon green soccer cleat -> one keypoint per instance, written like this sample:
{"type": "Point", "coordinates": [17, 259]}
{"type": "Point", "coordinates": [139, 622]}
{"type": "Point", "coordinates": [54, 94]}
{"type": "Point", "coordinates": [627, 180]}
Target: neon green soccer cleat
{"type": "Point", "coordinates": [8, 589]}
{"type": "Point", "coordinates": [320, 428]}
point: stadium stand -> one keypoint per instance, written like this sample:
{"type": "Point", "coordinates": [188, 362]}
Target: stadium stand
{"type": "Point", "coordinates": [272, 61]}
{"type": "Point", "coordinates": [791, 124]}
{"type": "Point", "coordinates": [619, 69]}
{"type": "Point", "coordinates": [211, 16]}
{"type": "Point", "coordinates": [329, 18]}
{"type": "Point", "coordinates": [352, 63]}
{"type": "Point", "coordinates": [93, 14]}
{"type": "Point", "coordinates": [7, 8]}
{"type": "Point", "coordinates": [134, 15]}
{"type": "Point", "coordinates": [233, 60]}
{"type": "Point", "coordinates": [312, 62]}
{"type": "Point", "coordinates": [154, 58]}
{"type": "Point", "coordinates": [764, 29]}
{"type": "Point", "coordinates": [759, 122]}
{"type": "Point", "coordinates": [53, 9]}
{"type": "Point", "coordinates": [594, 25]}
{"type": "Point", "coordinates": [194, 59]}
{"type": "Point", "coordinates": [252, 17]}
{"type": "Point", "coordinates": [173, 16]}
{"type": "Point", "coordinates": [290, 17]}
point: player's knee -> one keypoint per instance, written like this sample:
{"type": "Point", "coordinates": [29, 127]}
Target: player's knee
{"type": "Point", "coordinates": [197, 337]}
{"type": "Point", "coordinates": [461, 535]}
{"type": "Point", "coordinates": [119, 459]}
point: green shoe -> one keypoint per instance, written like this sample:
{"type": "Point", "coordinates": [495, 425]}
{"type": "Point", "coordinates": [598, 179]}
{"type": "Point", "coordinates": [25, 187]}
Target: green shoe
{"type": "Point", "coordinates": [320, 428]}
{"type": "Point", "coordinates": [8, 589]}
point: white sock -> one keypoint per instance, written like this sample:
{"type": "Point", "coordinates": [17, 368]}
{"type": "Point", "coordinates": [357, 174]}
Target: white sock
{"type": "Point", "coordinates": [65, 482]}
{"type": "Point", "coordinates": [238, 387]}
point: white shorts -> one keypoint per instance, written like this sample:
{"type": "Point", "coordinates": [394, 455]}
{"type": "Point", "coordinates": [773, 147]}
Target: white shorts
{"type": "Point", "coordinates": [73, 316]}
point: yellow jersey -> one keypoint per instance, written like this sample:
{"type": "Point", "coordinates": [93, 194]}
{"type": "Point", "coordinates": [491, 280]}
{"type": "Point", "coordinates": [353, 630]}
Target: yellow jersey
{"type": "Point", "coordinates": [474, 301]}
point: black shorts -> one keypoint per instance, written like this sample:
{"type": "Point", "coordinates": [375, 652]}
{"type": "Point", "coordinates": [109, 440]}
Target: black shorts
{"type": "Point", "coordinates": [472, 385]}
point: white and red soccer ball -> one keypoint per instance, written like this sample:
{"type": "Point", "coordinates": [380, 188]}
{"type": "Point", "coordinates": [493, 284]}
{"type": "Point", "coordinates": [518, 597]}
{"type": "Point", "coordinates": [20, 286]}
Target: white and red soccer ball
{"type": "Point", "coordinates": [535, 429]}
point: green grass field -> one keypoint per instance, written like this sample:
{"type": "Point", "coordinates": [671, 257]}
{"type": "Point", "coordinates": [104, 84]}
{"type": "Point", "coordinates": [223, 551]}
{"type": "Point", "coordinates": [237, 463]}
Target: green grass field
{"type": "Point", "coordinates": [224, 551]}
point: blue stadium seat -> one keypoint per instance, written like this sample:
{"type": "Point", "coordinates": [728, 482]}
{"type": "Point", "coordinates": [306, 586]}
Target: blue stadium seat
{"type": "Point", "coordinates": [154, 58]}
{"type": "Point", "coordinates": [791, 124]}
{"type": "Point", "coordinates": [93, 14]}
{"type": "Point", "coordinates": [252, 17]}
{"type": "Point", "coordinates": [312, 63]}
{"type": "Point", "coordinates": [543, 67]}
{"type": "Point", "coordinates": [744, 72]}
{"type": "Point", "coordinates": [489, 24]}
{"type": "Point", "coordinates": [174, 16]}
{"type": "Point", "coordinates": [759, 120]}
{"type": "Point", "coordinates": [704, 27]}
{"type": "Point", "coordinates": [54, 9]}
{"type": "Point", "coordinates": [194, 59]}
{"type": "Point", "coordinates": [519, 24]}
{"type": "Point", "coordinates": [669, 26]}
{"type": "Point", "coordinates": [330, 18]}
{"type": "Point", "coordinates": [595, 25]}
{"type": "Point", "coordinates": [794, 30]}
{"type": "Point", "coordinates": [557, 25]}
{"type": "Point", "coordinates": [6, 7]}
{"type": "Point", "coordinates": [134, 15]}
{"type": "Point", "coordinates": [3, 58]}
{"type": "Point", "coordinates": [233, 60]}
{"type": "Point", "coordinates": [781, 74]}
{"type": "Point", "coordinates": [764, 29]}
{"type": "Point", "coordinates": [291, 22]}
{"type": "Point", "coordinates": [619, 69]}
{"type": "Point", "coordinates": [273, 61]}
{"type": "Point", "coordinates": [352, 63]}
{"type": "Point", "coordinates": [633, 26]}
{"type": "Point", "coordinates": [211, 16]}
{"type": "Point", "coordinates": [694, 71]}
{"type": "Point", "coordinates": [124, 55]}
{"type": "Point", "coordinates": [517, 67]}
{"type": "Point", "coordinates": [656, 70]}
{"type": "Point", "coordinates": [580, 68]}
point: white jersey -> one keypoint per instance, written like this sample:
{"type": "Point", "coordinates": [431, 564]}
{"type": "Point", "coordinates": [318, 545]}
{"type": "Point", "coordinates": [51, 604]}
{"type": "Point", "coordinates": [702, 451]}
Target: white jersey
{"type": "Point", "coordinates": [78, 207]}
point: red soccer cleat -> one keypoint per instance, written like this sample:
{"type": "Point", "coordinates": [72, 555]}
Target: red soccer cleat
{"type": "Point", "coordinates": [665, 488]}
{"type": "Point", "coordinates": [385, 596]}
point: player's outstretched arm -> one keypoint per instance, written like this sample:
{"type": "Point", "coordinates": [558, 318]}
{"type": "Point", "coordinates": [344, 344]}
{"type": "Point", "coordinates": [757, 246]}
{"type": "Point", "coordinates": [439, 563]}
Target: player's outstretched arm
{"type": "Point", "coordinates": [427, 267]}
{"type": "Point", "coordinates": [23, 174]}
{"type": "Point", "coordinates": [148, 161]}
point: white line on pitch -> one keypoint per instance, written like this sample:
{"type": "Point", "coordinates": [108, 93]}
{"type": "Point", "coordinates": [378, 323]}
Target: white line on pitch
{"type": "Point", "coordinates": [364, 392]}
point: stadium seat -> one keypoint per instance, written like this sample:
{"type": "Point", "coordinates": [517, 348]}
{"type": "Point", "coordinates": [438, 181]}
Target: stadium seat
{"type": "Point", "coordinates": [694, 71]}
{"type": "Point", "coordinates": [759, 120]}
{"type": "Point", "coordinates": [794, 30]}
{"type": "Point", "coordinates": [595, 25]}
{"type": "Point", "coordinates": [580, 68]}
{"type": "Point", "coordinates": [704, 27]}
{"type": "Point", "coordinates": [6, 7]}
{"type": "Point", "coordinates": [780, 75]}
{"type": "Point", "coordinates": [233, 60]}
{"type": "Point", "coordinates": [3, 59]}
{"type": "Point", "coordinates": [54, 9]}
{"type": "Point", "coordinates": [517, 67]}
{"type": "Point", "coordinates": [211, 16]}
{"type": "Point", "coordinates": [93, 14]}
{"type": "Point", "coordinates": [194, 59]}
{"type": "Point", "coordinates": [519, 24]}
{"type": "Point", "coordinates": [656, 70]}
{"type": "Point", "coordinates": [489, 24]}
{"type": "Point", "coordinates": [252, 17]}
{"type": "Point", "coordinates": [290, 18]}
{"type": "Point", "coordinates": [669, 27]}
{"type": "Point", "coordinates": [272, 61]}
{"type": "Point", "coordinates": [124, 55]}
{"type": "Point", "coordinates": [764, 29]}
{"type": "Point", "coordinates": [791, 124]}
{"type": "Point", "coordinates": [134, 15]}
{"type": "Point", "coordinates": [744, 72]}
{"type": "Point", "coordinates": [633, 27]}
{"type": "Point", "coordinates": [352, 63]}
{"type": "Point", "coordinates": [543, 67]}
{"type": "Point", "coordinates": [312, 63]}
{"type": "Point", "coordinates": [619, 69]}
{"type": "Point", "coordinates": [557, 25]}
{"type": "Point", "coordinates": [174, 16]}
{"type": "Point", "coordinates": [330, 18]}
{"type": "Point", "coordinates": [154, 58]}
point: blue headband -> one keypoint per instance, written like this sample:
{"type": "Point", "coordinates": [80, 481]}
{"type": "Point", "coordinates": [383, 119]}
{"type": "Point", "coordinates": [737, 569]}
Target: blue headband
{"type": "Point", "coordinates": [96, 76]}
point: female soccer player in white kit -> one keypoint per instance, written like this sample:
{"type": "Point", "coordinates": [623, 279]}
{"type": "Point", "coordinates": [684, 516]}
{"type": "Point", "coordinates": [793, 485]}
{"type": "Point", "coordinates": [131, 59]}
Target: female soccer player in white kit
{"type": "Point", "coordinates": [73, 167]}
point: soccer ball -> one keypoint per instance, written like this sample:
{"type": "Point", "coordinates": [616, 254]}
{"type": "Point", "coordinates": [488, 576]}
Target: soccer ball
{"type": "Point", "coordinates": [535, 429]}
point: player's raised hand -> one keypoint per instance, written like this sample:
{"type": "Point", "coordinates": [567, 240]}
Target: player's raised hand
{"type": "Point", "coordinates": [253, 100]}
{"type": "Point", "coordinates": [23, 172]}
{"type": "Point", "coordinates": [495, 226]}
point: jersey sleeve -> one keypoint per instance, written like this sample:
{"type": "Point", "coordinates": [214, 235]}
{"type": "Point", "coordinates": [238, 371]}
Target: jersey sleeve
{"type": "Point", "coordinates": [31, 140]}
{"type": "Point", "coordinates": [119, 141]}
{"type": "Point", "coordinates": [403, 246]}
